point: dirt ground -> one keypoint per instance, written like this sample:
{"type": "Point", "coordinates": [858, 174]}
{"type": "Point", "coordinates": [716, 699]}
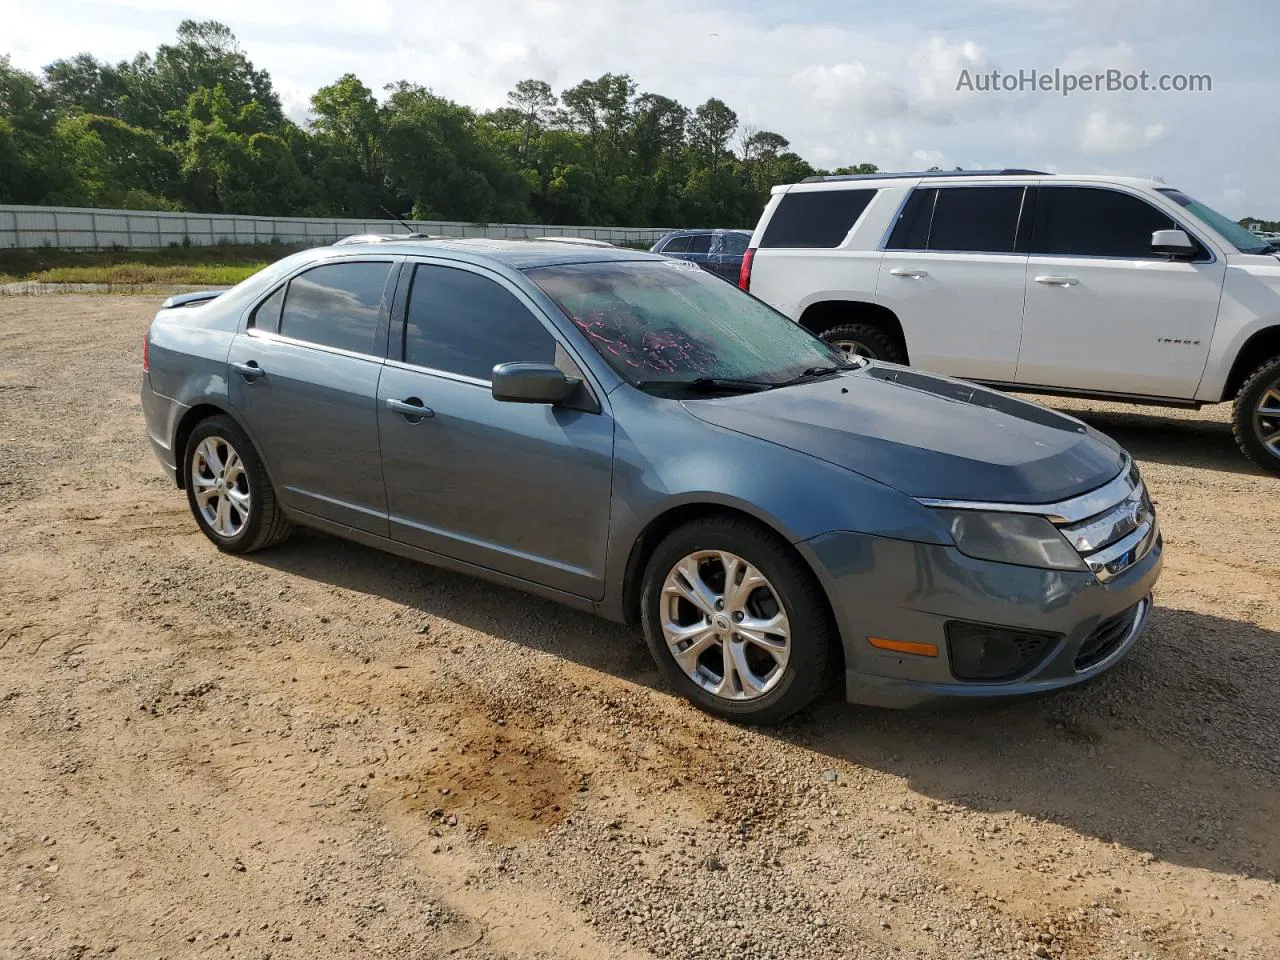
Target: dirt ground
{"type": "Point", "coordinates": [323, 751]}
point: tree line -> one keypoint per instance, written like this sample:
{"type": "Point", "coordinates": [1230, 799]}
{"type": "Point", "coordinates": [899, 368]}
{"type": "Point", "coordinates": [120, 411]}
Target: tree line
{"type": "Point", "coordinates": [196, 126]}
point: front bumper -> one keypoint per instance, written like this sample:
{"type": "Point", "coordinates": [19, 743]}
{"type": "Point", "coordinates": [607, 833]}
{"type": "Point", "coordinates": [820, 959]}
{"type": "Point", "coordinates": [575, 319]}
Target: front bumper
{"type": "Point", "coordinates": [907, 591]}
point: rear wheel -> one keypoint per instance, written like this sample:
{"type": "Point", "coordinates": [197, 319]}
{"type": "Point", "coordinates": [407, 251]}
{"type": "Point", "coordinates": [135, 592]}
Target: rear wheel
{"type": "Point", "coordinates": [736, 621]}
{"type": "Point", "coordinates": [228, 490]}
{"type": "Point", "coordinates": [1256, 419]}
{"type": "Point", "coordinates": [864, 340]}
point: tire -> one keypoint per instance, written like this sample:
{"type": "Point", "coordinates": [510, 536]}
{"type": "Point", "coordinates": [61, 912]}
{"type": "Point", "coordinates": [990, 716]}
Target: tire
{"type": "Point", "coordinates": [865, 340]}
{"type": "Point", "coordinates": [810, 638]}
{"type": "Point", "coordinates": [222, 439]}
{"type": "Point", "coordinates": [1250, 423]}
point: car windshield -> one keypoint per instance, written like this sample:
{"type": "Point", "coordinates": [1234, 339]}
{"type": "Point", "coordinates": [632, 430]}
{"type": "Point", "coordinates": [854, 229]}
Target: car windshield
{"type": "Point", "coordinates": [1228, 229]}
{"type": "Point", "coordinates": [667, 322]}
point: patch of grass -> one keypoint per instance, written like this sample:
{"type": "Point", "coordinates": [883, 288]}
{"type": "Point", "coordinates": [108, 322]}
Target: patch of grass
{"type": "Point", "coordinates": [138, 273]}
{"type": "Point", "coordinates": [215, 265]}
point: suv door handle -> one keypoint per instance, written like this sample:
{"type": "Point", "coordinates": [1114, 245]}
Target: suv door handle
{"type": "Point", "coordinates": [907, 272]}
{"type": "Point", "coordinates": [249, 370]}
{"type": "Point", "coordinates": [412, 409]}
{"type": "Point", "coordinates": [1058, 281]}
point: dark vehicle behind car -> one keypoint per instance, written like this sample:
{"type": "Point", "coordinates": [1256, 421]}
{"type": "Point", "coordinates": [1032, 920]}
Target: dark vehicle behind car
{"type": "Point", "coordinates": [716, 251]}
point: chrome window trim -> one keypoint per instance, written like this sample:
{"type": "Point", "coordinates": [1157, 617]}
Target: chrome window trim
{"type": "Point", "coordinates": [323, 347]}
{"type": "Point", "coordinates": [1074, 510]}
{"type": "Point", "coordinates": [442, 374]}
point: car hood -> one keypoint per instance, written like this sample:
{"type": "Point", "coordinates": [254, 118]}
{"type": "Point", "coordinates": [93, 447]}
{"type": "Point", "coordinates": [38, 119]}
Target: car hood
{"type": "Point", "coordinates": [927, 436]}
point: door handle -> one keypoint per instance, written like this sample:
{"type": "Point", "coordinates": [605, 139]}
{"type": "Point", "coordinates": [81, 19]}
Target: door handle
{"type": "Point", "coordinates": [249, 370]}
{"type": "Point", "coordinates": [1058, 281]}
{"type": "Point", "coordinates": [412, 409]}
{"type": "Point", "coordinates": [907, 272]}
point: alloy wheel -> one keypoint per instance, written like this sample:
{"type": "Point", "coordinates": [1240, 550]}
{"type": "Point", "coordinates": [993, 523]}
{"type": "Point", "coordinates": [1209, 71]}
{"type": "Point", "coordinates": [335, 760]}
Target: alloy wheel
{"type": "Point", "coordinates": [1266, 419]}
{"type": "Point", "coordinates": [725, 625]}
{"type": "Point", "coordinates": [221, 486]}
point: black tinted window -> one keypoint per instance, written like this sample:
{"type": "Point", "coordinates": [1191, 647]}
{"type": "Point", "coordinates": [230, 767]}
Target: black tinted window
{"type": "Point", "coordinates": [976, 219]}
{"type": "Point", "coordinates": [465, 323]}
{"type": "Point", "coordinates": [677, 245]}
{"type": "Point", "coordinates": [734, 244]}
{"type": "Point", "coordinates": [819, 219]}
{"type": "Point", "coordinates": [700, 243]}
{"type": "Point", "coordinates": [336, 305]}
{"type": "Point", "coordinates": [1090, 222]}
{"type": "Point", "coordinates": [911, 232]}
{"type": "Point", "coordinates": [267, 316]}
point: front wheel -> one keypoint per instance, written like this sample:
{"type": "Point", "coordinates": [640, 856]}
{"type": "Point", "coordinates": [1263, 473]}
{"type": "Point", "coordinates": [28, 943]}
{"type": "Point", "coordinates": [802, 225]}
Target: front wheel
{"type": "Point", "coordinates": [736, 621]}
{"type": "Point", "coordinates": [864, 340]}
{"type": "Point", "coordinates": [1256, 418]}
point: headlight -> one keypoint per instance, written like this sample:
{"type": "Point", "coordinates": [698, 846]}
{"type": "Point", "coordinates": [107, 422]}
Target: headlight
{"type": "Point", "coordinates": [1020, 538]}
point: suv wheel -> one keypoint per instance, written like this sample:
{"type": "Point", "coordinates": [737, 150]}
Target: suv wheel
{"type": "Point", "coordinates": [228, 490]}
{"type": "Point", "coordinates": [736, 621]}
{"type": "Point", "coordinates": [1256, 420]}
{"type": "Point", "coordinates": [864, 340]}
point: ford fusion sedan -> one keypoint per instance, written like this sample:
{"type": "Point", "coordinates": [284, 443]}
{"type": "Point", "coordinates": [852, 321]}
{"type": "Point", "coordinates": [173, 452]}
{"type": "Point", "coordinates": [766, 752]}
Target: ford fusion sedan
{"type": "Point", "coordinates": [629, 435]}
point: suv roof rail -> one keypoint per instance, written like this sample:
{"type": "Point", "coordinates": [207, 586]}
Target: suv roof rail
{"type": "Point", "coordinates": [1008, 172]}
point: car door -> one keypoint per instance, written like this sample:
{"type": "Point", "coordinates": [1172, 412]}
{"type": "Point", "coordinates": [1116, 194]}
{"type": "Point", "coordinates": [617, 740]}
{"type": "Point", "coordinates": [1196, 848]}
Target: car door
{"type": "Point", "coordinates": [523, 489]}
{"type": "Point", "coordinates": [727, 253]}
{"type": "Point", "coordinates": [304, 376]}
{"type": "Point", "coordinates": [954, 274]}
{"type": "Point", "coordinates": [1103, 311]}
{"type": "Point", "coordinates": [699, 250]}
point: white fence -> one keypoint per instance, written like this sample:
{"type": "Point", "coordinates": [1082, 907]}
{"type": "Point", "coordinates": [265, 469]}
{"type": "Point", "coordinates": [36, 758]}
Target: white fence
{"type": "Point", "coordinates": [82, 228]}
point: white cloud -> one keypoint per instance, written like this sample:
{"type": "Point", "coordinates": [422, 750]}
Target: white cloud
{"type": "Point", "coordinates": [1105, 132]}
{"type": "Point", "coordinates": [853, 87]}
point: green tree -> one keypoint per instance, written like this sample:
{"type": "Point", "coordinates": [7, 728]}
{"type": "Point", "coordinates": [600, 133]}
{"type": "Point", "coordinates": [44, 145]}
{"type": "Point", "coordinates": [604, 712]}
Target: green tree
{"type": "Point", "coordinates": [713, 125]}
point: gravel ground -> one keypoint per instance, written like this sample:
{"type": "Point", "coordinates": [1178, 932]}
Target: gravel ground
{"type": "Point", "coordinates": [325, 751]}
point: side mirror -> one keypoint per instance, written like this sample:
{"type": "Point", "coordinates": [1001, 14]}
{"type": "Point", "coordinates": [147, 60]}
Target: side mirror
{"type": "Point", "coordinates": [531, 383]}
{"type": "Point", "coordinates": [1174, 243]}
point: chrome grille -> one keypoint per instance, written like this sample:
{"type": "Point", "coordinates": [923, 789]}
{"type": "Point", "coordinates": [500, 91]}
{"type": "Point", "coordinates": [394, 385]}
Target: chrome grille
{"type": "Point", "coordinates": [1119, 535]}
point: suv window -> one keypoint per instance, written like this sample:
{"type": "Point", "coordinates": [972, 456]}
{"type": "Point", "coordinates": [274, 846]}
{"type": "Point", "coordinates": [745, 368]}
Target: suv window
{"type": "Point", "coordinates": [677, 245]}
{"type": "Point", "coordinates": [734, 244]}
{"type": "Point", "coordinates": [700, 243]}
{"type": "Point", "coordinates": [911, 232]}
{"type": "Point", "coordinates": [461, 322]}
{"type": "Point", "coordinates": [976, 219]}
{"type": "Point", "coordinates": [336, 305]}
{"type": "Point", "coordinates": [821, 218]}
{"type": "Point", "coordinates": [1095, 222]}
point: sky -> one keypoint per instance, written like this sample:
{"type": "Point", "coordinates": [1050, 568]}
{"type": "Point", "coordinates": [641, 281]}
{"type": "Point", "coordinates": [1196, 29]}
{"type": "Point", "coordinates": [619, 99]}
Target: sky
{"type": "Point", "coordinates": [845, 82]}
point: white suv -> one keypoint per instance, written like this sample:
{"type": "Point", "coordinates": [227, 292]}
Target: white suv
{"type": "Point", "coordinates": [1106, 287]}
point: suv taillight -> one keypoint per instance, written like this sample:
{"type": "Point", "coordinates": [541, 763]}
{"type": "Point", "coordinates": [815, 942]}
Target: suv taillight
{"type": "Point", "coordinates": [744, 272]}
{"type": "Point", "coordinates": [146, 360]}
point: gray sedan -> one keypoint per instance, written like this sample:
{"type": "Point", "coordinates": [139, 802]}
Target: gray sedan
{"type": "Point", "coordinates": [629, 435]}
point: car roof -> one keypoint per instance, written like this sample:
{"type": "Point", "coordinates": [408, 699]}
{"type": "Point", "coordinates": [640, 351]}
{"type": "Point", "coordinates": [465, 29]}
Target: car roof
{"type": "Point", "coordinates": [691, 231]}
{"type": "Point", "coordinates": [968, 177]}
{"type": "Point", "coordinates": [520, 254]}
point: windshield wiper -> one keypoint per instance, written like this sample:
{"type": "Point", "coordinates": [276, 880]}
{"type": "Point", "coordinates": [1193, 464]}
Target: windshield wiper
{"type": "Point", "coordinates": [710, 384]}
{"type": "Point", "coordinates": [814, 373]}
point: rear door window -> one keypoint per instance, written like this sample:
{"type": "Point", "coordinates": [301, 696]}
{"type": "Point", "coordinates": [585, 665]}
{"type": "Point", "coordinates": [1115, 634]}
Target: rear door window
{"type": "Point", "coordinates": [462, 322]}
{"type": "Point", "coordinates": [678, 244]}
{"type": "Point", "coordinates": [267, 315]}
{"type": "Point", "coordinates": [821, 218]}
{"type": "Point", "coordinates": [1095, 222]}
{"type": "Point", "coordinates": [976, 219]}
{"type": "Point", "coordinates": [337, 305]}
{"type": "Point", "coordinates": [700, 243]}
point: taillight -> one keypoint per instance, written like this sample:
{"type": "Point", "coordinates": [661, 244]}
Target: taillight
{"type": "Point", "coordinates": [744, 272]}
{"type": "Point", "coordinates": [146, 360]}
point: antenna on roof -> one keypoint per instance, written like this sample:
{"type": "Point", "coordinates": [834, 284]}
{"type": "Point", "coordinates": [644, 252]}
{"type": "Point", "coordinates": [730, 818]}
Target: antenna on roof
{"type": "Point", "coordinates": [412, 232]}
